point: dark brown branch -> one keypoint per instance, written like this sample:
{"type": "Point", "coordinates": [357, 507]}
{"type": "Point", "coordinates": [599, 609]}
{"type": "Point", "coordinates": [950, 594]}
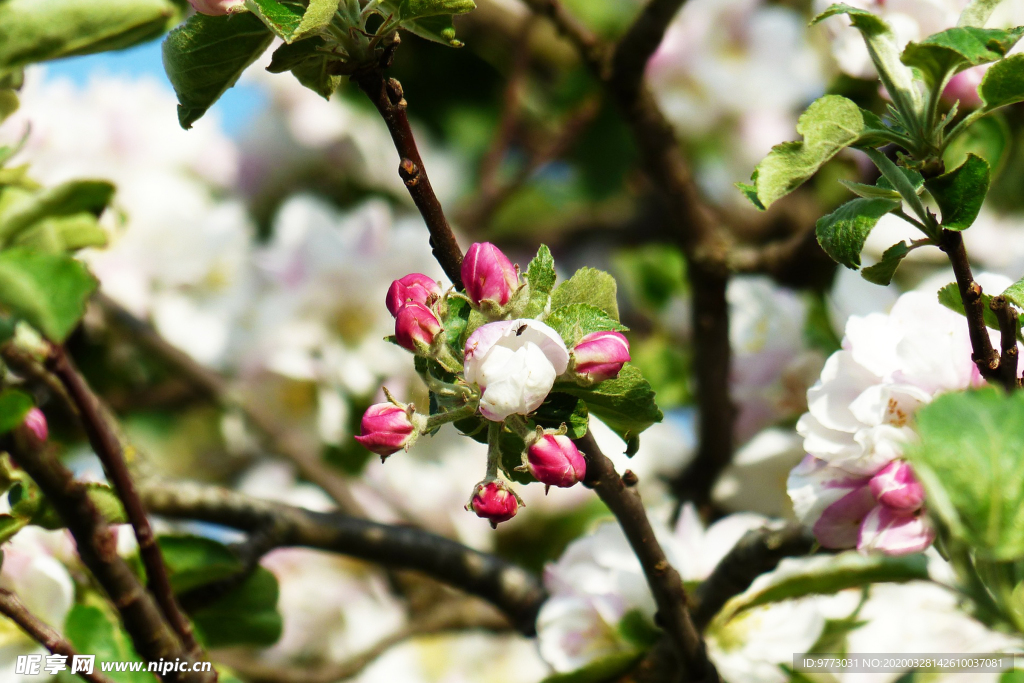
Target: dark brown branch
{"type": "Point", "coordinates": [142, 618]}
{"type": "Point", "coordinates": [277, 436]}
{"type": "Point", "coordinates": [387, 96]}
{"type": "Point", "coordinates": [15, 610]}
{"type": "Point", "coordinates": [511, 589]}
{"type": "Point", "coordinates": [640, 42]}
{"type": "Point", "coordinates": [757, 552]}
{"type": "Point", "coordinates": [984, 356]}
{"type": "Point", "coordinates": [450, 617]}
{"type": "Point", "coordinates": [1008, 326]}
{"type": "Point", "coordinates": [107, 445]}
{"type": "Point", "coordinates": [665, 583]}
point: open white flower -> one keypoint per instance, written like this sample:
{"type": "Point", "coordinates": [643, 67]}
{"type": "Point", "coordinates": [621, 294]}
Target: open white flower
{"type": "Point", "coordinates": [515, 363]}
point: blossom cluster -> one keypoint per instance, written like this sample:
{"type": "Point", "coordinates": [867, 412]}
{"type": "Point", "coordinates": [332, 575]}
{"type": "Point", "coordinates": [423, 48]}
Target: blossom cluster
{"type": "Point", "coordinates": [503, 373]}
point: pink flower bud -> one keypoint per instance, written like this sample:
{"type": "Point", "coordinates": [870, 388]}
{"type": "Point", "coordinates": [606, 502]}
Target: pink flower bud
{"type": "Point", "coordinates": [963, 88]}
{"type": "Point", "coordinates": [216, 8]}
{"type": "Point", "coordinates": [413, 287]}
{"type": "Point", "coordinates": [895, 486]}
{"type": "Point", "coordinates": [493, 501]}
{"type": "Point", "coordinates": [554, 460]}
{"type": "Point", "coordinates": [601, 355]}
{"type": "Point", "coordinates": [35, 422]}
{"type": "Point", "coordinates": [895, 533]}
{"type": "Point", "coordinates": [488, 275]}
{"type": "Point", "coordinates": [415, 324]}
{"type": "Point", "coordinates": [386, 428]}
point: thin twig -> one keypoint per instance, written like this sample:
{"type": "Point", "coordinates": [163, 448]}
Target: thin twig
{"type": "Point", "coordinates": [277, 435]}
{"type": "Point", "coordinates": [666, 585]}
{"type": "Point", "coordinates": [387, 96]}
{"type": "Point", "coordinates": [450, 617]}
{"type": "Point", "coordinates": [984, 355]}
{"type": "Point", "coordinates": [15, 610]}
{"type": "Point", "coordinates": [141, 616]}
{"type": "Point", "coordinates": [513, 590]}
{"type": "Point", "coordinates": [1008, 327]}
{"type": "Point", "coordinates": [107, 446]}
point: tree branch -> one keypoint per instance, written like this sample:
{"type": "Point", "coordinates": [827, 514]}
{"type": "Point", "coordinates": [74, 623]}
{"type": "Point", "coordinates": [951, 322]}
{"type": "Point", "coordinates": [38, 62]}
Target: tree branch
{"type": "Point", "coordinates": [107, 445]}
{"type": "Point", "coordinates": [514, 591]}
{"type": "Point", "coordinates": [388, 97]}
{"type": "Point", "coordinates": [757, 552]}
{"type": "Point", "coordinates": [984, 356]}
{"type": "Point", "coordinates": [1008, 326]}
{"type": "Point", "coordinates": [458, 615]}
{"type": "Point", "coordinates": [640, 42]}
{"type": "Point", "coordinates": [665, 583]}
{"type": "Point", "coordinates": [142, 618]}
{"type": "Point", "coordinates": [15, 610]}
{"type": "Point", "coordinates": [217, 388]}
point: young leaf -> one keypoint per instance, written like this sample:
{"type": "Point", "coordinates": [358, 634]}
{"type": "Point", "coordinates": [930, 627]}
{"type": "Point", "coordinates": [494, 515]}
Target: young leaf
{"type": "Point", "coordinates": [292, 20]}
{"type": "Point", "coordinates": [949, 296]}
{"type": "Point", "coordinates": [1015, 293]}
{"type": "Point", "coordinates": [206, 55]}
{"type": "Point", "coordinates": [825, 575]}
{"type": "Point", "coordinates": [14, 405]}
{"type": "Point", "coordinates": [308, 64]}
{"type": "Point", "coordinates": [905, 184]}
{"type": "Point", "coordinates": [882, 272]}
{"type": "Point", "coordinates": [438, 29]}
{"type": "Point", "coordinates": [961, 192]}
{"type": "Point", "coordinates": [67, 199]}
{"type": "Point", "coordinates": [970, 458]}
{"type": "Point", "coordinates": [10, 525]}
{"type": "Point", "coordinates": [829, 125]}
{"type": "Point", "coordinates": [540, 274]}
{"type": "Point", "coordinates": [193, 561]}
{"type": "Point", "coordinates": [429, 19]}
{"type": "Point", "coordinates": [626, 403]}
{"type": "Point", "coordinates": [8, 103]}
{"type": "Point", "coordinates": [102, 496]}
{"type": "Point", "coordinates": [884, 50]}
{"type": "Point", "coordinates": [97, 632]}
{"type": "Point", "coordinates": [871, 191]}
{"type": "Point", "coordinates": [588, 286]}
{"type": "Point", "coordinates": [977, 13]}
{"type": "Point", "coordinates": [1003, 83]}
{"type": "Point", "coordinates": [33, 31]}
{"type": "Point", "coordinates": [246, 615]}
{"type": "Point", "coordinates": [940, 55]}
{"type": "Point", "coordinates": [843, 232]}
{"type": "Point", "coordinates": [47, 290]}
{"type": "Point", "coordinates": [749, 191]}
{"type": "Point", "coordinates": [63, 234]}
{"type": "Point", "coordinates": [575, 321]}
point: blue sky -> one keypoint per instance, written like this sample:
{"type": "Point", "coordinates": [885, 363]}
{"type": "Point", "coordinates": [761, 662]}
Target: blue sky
{"type": "Point", "coordinates": [236, 108]}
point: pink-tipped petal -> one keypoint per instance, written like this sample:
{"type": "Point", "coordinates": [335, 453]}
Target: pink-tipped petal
{"type": "Point", "coordinates": [554, 460]}
{"type": "Point", "coordinates": [890, 532]}
{"type": "Point", "coordinates": [601, 355]}
{"type": "Point", "coordinates": [494, 502]}
{"type": "Point", "coordinates": [839, 524]}
{"type": "Point", "coordinates": [415, 287]}
{"type": "Point", "coordinates": [488, 275]}
{"type": "Point", "coordinates": [416, 325]}
{"type": "Point", "coordinates": [896, 487]}
{"type": "Point", "coordinates": [385, 429]}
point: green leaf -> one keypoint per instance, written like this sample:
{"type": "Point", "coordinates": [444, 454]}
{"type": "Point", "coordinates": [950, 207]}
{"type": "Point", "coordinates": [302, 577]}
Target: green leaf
{"type": "Point", "coordinates": [884, 50]}
{"type": "Point", "coordinates": [438, 29]}
{"type": "Point", "coordinates": [871, 191]}
{"type": "Point", "coordinates": [989, 137]}
{"type": "Point", "coordinates": [540, 274]}
{"type": "Point", "coordinates": [1003, 83]}
{"type": "Point", "coordinates": [575, 321]}
{"type": "Point", "coordinates": [843, 232]}
{"type": "Point", "coordinates": [246, 615]}
{"type": "Point", "coordinates": [610, 667]}
{"type": "Point", "coordinates": [10, 525]}
{"type": "Point", "coordinates": [829, 125]}
{"type": "Point", "coordinates": [193, 561]}
{"type": "Point", "coordinates": [626, 403]}
{"type": "Point", "coordinates": [882, 272]}
{"type": "Point", "coordinates": [949, 296]}
{"type": "Point", "coordinates": [293, 21]}
{"type": "Point", "coordinates": [314, 74]}
{"type": "Point", "coordinates": [961, 192]}
{"type": "Point", "coordinates": [206, 55]}
{"type": "Point", "coordinates": [562, 409]}
{"type": "Point", "coordinates": [102, 496]}
{"type": "Point", "coordinates": [750, 192]}
{"type": "Point", "coordinates": [415, 9]}
{"type": "Point", "coordinates": [63, 234]}
{"type": "Point", "coordinates": [943, 54]}
{"type": "Point", "coordinates": [905, 183]}
{"type": "Point", "coordinates": [39, 30]}
{"type": "Point", "coordinates": [652, 275]}
{"type": "Point", "coordinates": [588, 286]}
{"type": "Point", "coordinates": [14, 405]}
{"type": "Point", "coordinates": [47, 290]}
{"type": "Point", "coordinates": [636, 628]}
{"type": "Point", "coordinates": [8, 103]}
{"type": "Point", "coordinates": [824, 575]}
{"type": "Point", "coordinates": [308, 64]}
{"type": "Point", "coordinates": [981, 433]}
{"type": "Point", "coordinates": [67, 199]}
{"type": "Point", "coordinates": [977, 13]}
{"type": "Point", "coordinates": [95, 631]}
{"type": "Point", "coordinates": [1015, 293]}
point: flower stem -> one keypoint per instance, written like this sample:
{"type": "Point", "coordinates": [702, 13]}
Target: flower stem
{"type": "Point", "coordinates": [493, 450]}
{"type": "Point", "coordinates": [454, 415]}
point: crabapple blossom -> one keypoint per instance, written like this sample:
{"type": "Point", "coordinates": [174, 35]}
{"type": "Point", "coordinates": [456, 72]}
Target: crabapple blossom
{"type": "Point", "coordinates": [415, 287]}
{"type": "Point", "coordinates": [388, 428]}
{"type": "Point", "coordinates": [600, 355]}
{"type": "Point", "coordinates": [555, 461]}
{"type": "Point", "coordinates": [216, 8]}
{"type": "Point", "coordinates": [416, 326]}
{"type": "Point", "coordinates": [515, 363]}
{"type": "Point", "coordinates": [495, 502]}
{"type": "Point", "coordinates": [488, 276]}
{"type": "Point", "coordinates": [895, 486]}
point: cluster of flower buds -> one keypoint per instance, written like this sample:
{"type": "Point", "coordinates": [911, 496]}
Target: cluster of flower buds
{"type": "Point", "coordinates": [509, 365]}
